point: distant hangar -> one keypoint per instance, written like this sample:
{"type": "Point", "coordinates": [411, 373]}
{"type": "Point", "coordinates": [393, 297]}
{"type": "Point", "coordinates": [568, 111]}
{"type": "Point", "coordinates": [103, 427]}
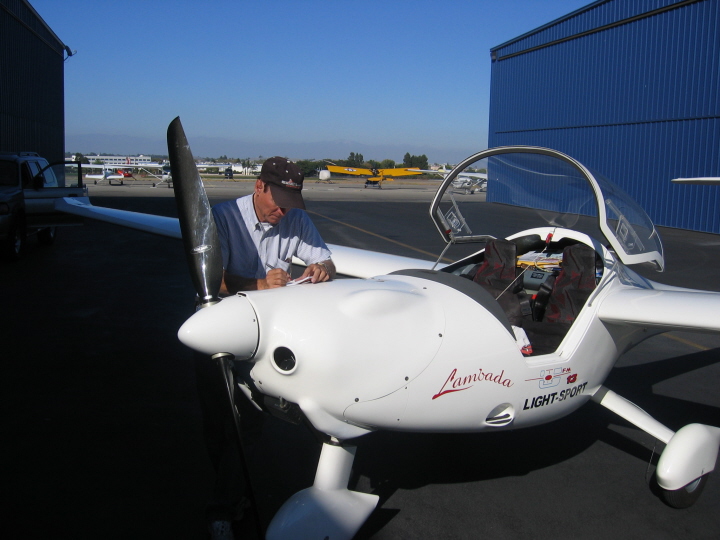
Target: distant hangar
{"type": "Point", "coordinates": [631, 89]}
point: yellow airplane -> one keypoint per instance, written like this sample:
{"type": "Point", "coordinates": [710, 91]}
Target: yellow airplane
{"type": "Point", "coordinates": [374, 176]}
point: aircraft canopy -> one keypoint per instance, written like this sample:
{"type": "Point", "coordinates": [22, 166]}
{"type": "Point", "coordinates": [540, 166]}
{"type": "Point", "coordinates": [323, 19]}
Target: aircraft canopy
{"type": "Point", "coordinates": [531, 187]}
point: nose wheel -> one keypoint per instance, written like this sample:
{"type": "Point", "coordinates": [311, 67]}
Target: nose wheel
{"type": "Point", "coordinates": [687, 495]}
{"type": "Point", "coordinates": [328, 509]}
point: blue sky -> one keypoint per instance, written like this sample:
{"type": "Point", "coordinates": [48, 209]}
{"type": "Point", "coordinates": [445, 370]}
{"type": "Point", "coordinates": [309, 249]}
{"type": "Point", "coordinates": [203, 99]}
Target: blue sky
{"type": "Point", "coordinates": [301, 78]}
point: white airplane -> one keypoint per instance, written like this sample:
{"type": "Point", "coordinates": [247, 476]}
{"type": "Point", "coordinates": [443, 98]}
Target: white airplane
{"type": "Point", "coordinates": [105, 173]}
{"type": "Point", "coordinates": [459, 348]}
{"type": "Point", "coordinates": [468, 182]}
{"type": "Point", "coordinates": [158, 171]}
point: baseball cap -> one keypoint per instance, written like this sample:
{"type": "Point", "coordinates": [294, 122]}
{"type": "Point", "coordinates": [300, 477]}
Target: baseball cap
{"type": "Point", "coordinates": [285, 180]}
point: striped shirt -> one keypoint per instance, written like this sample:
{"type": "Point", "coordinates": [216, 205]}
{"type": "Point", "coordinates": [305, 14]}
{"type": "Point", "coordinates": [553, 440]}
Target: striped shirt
{"type": "Point", "coordinates": [251, 248]}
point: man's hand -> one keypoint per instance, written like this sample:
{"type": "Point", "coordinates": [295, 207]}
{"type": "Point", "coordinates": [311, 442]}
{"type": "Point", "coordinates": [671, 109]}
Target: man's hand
{"type": "Point", "coordinates": [318, 272]}
{"type": "Point", "coordinates": [274, 278]}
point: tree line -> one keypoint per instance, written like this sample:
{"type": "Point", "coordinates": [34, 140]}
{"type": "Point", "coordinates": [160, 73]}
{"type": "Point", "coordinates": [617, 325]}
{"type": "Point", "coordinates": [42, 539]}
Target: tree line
{"type": "Point", "coordinates": [409, 161]}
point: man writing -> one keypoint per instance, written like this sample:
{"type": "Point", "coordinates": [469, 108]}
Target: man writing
{"type": "Point", "coordinates": [260, 233]}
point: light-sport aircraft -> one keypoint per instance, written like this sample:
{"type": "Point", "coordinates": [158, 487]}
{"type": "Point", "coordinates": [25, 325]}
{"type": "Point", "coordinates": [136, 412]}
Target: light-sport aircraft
{"type": "Point", "coordinates": [459, 349]}
{"type": "Point", "coordinates": [375, 177]}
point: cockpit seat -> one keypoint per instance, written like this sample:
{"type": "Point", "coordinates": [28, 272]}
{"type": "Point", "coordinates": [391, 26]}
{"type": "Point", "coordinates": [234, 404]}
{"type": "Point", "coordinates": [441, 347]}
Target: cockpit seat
{"type": "Point", "coordinates": [497, 274]}
{"type": "Point", "coordinates": [572, 288]}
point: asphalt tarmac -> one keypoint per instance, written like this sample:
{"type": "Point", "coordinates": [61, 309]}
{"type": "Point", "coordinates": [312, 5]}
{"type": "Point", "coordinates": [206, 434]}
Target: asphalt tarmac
{"type": "Point", "coordinates": [102, 430]}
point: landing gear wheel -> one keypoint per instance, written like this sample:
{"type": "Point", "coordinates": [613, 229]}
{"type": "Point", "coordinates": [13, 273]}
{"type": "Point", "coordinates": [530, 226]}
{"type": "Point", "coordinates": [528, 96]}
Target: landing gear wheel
{"type": "Point", "coordinates": [47, 236]}
{"type": "Point", "coordinates": [686, 496]}
{"type": "Point", "coordinates": [15, 244]}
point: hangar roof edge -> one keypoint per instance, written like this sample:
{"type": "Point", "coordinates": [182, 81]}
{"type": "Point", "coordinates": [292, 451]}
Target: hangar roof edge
{"type": "Point", "coordinates": [574, 32]}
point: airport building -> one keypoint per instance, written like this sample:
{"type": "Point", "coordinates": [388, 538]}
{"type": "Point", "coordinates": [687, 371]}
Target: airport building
{"type": "Point", "coordinates": [32, 79]}
{"type": "Point", "coordinates": [631, 89]}
{"type": "Point", "coordinates": [120, 161]}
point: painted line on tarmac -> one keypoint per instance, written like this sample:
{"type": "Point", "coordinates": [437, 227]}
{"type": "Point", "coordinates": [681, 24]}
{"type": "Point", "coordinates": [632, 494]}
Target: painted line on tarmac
{"type": "Point", "coordinates": [432, 255]}
{"type": "Point", "coordinates": [687, 342]}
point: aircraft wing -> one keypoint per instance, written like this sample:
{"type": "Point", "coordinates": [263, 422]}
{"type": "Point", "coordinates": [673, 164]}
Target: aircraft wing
{"type": "Point", "coordinates": [86, 165]}
{"type": "Point", "coordinates": [362, 263]}
{"type": "Point", "coordinates": [398, 172]}
{"type": "Point", "coordinates": [349, 170]}
{"type": "Point", "coordinates": [348, 261]}
{"type": "Point", "coordinates": [113, 167]}
{"type": "Point", "coordinates": [667, 309]}
{"type": "Point", "coordinates": [81, 206]}
{"type": "Point", "coordinates": [445, 172]}
{"type": "Point", "coordinates": [369, 172]}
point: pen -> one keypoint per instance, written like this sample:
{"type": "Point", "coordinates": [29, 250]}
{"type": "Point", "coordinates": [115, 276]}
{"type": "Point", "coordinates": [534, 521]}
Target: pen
{"type": "Point", "coordinates": [285, 266]}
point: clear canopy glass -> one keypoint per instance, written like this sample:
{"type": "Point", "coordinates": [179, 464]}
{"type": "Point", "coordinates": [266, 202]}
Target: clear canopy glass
{"type": "Point", "coordinates": [517, 188]}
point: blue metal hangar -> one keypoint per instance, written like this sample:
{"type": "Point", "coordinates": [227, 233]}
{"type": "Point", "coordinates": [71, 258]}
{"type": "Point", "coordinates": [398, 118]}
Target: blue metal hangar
{"type": "Point", "coordinates": [631, 89]}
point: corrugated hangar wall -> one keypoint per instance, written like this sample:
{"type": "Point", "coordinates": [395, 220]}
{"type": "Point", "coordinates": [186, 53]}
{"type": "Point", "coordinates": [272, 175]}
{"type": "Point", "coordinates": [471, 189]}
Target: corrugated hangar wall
{"type": "Point", "coordinates": [631, 89]}
{"type": "Point", "coordinates": [32, 84]}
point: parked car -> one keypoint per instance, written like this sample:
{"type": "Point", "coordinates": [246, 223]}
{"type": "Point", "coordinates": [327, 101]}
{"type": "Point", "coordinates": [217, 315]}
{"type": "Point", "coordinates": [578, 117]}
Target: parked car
{"type": "Point", "coordinates": [28, 189]}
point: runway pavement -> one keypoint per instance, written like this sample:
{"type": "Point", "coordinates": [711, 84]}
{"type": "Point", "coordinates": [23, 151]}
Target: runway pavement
{"type": "Point", "coordinates": [102, 432]}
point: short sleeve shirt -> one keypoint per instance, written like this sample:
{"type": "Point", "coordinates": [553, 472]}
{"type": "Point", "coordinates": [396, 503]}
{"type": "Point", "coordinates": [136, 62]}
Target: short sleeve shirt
{"type": "Point", "coordinates": [251, 248]}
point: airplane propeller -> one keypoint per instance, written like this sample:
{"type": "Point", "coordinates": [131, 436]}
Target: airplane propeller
{"type": "Point", "coordinates": [202, 249]}
{"type": "Point", "coordinates": [202, 246]}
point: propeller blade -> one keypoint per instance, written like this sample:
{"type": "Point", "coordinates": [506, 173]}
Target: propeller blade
{"type": "Point", "coordinates": [202, 245]}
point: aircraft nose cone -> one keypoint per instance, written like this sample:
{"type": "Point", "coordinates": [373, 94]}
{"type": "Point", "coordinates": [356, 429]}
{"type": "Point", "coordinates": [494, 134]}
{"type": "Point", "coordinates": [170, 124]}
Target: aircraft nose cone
{"type": "Point", "coordinates": [230, 326]}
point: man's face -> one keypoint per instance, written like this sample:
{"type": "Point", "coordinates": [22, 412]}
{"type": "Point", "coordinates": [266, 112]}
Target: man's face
{"type": "Point", "coordinates": [265, 208]}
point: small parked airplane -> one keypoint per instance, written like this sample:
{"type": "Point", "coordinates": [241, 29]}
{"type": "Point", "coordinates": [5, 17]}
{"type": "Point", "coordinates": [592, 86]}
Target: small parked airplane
{"type": "Point", "coordinates": [422, 369]}
{"type": "Point", "coordinates": [105, 173]}
{"type": "Point", "coordinates": [468, 182]}
{"type": "Point", "coordinates": [158, 171]}
{"type": "Point", "coordinates": [375, 177]}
